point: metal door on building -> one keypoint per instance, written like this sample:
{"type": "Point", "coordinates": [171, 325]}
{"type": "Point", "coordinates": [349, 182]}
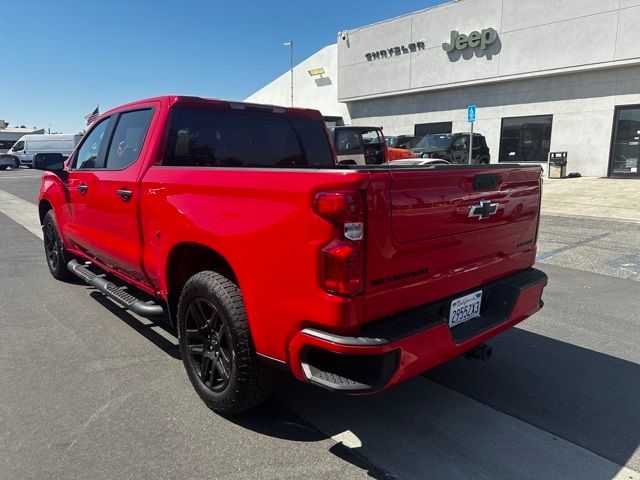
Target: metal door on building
{"type": "Point", "coordinates": [625, 144]}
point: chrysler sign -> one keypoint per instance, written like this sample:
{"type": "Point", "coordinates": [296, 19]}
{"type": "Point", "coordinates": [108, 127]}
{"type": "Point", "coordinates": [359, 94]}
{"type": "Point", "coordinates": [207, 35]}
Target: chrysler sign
{"type": "Point", "coordinates": [395, 51]}
{"type": "Point", "coordinates": [460, 41]}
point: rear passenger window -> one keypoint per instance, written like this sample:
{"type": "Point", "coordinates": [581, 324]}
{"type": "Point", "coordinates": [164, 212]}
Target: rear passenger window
{"type": "Point", "coordinates": [128, 139]}
{"type": "Point", "coordinates": [213, 138]}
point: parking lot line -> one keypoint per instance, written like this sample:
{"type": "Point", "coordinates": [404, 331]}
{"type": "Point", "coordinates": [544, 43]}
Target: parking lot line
{"type": "Point", "coordinates": [18, 177]}
{"type": "Point", "coordinates": [22, 212]}
{"type": "Point", "coordinates": [544, 255]}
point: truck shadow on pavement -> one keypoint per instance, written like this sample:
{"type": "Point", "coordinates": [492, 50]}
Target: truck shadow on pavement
{"type": "Point", "coordinates": [147, 328]}
{"type": "Point", "coordinates": [581, 395]}
{"type": "Point", "coordinates": [541, 408]}
{"type": "Point", "coordinates": [275, 419]}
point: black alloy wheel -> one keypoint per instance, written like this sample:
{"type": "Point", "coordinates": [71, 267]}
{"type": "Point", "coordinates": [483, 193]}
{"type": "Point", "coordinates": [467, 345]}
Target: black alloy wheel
{"type": "Point", "coordinates": [51, 246]}
{"type": "Point", "coordinates": [55, 253]}
{"type": "Point", "coordinates": [217, 347]}
{"type": "Point", "coordinates": [209, 344]}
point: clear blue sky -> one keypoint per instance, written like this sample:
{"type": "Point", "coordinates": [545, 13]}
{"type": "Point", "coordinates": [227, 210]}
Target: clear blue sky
{"type": "Point", "coordinates": [62, 58]}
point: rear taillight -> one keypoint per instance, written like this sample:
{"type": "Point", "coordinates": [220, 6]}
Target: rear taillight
{"type": "Point", "coordinates": [535, 242]}
{"type": "Point", "coordinates": [341, 261]}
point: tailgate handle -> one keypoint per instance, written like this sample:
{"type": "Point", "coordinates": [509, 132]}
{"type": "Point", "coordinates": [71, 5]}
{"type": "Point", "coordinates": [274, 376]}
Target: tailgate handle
{"type": "Point", "coordinates": [486, 181]}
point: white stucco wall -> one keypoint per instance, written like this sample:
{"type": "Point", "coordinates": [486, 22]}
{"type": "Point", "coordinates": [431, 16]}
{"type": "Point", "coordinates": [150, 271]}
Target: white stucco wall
{"type": "Point", "coordinates": [319, 93]}
{"type": "Point", "coordinates": [582, 105]}
{"type": "Point", "coordinates": [535, 37]}
{"type": "Point", "coordinates": [576, 60]}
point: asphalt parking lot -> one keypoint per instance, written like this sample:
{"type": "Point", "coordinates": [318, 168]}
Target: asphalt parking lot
{"type": "Point", "coordinates": [88, 390]}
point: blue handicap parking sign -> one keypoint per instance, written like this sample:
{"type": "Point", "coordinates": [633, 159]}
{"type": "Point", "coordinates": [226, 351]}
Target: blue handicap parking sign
{"type": "Point", "coordinates": [471, 113]}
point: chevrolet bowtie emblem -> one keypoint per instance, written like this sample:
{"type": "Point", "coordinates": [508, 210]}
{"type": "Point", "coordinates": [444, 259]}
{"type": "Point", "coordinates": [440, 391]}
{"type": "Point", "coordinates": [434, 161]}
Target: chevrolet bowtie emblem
{"type": "Point", "coordinates": [484, 210]}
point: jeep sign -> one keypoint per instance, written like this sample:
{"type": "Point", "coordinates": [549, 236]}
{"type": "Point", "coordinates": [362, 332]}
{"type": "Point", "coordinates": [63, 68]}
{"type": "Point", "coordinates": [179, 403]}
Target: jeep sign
{"type": "Point", "coordinates": [460, 41]}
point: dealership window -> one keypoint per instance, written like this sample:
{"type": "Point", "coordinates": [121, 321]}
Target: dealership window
{"type": "Point", "coordinates": [626, 142]}
{"type": "Point", "coordinates": [525, 139]}
{"type": "Point", "coordinates": [422, 129]}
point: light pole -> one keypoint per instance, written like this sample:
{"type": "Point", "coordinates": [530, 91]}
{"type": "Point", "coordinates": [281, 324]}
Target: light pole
{"type": "Point", "coordinates": [290, 45]}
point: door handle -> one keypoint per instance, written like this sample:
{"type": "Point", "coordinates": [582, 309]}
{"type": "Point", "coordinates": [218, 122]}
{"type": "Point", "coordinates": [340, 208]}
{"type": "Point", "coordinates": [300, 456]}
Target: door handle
{"type": "Point", "coordinates": [82, 188]}
{"type": "Point", "coordinates": [124, 194]}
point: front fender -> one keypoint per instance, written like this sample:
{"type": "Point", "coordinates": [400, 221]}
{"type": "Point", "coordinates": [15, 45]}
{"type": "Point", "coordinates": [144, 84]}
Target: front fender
{"type": "Point", "coordinates": [54, 195]}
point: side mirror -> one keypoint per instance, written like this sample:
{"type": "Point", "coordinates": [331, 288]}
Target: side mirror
{"type": "Point", "coordinates": [51, 162]}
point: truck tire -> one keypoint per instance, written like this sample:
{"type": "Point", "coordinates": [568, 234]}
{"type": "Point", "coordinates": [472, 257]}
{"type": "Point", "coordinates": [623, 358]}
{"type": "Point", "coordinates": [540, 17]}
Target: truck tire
{"type": "Point", "coordinates": [217, 348]}
{"type": "Point", "coordinates": [3, 167]}
{"type": "Point", "coordinates": [57, 256]}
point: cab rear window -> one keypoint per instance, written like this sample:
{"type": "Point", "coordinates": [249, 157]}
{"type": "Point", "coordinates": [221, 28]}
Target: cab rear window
{"type": "Point", "coordinates": [214, 138]}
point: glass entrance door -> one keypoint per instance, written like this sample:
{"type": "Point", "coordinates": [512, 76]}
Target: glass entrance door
{"type": "Point", "coordinates": [625, 151]}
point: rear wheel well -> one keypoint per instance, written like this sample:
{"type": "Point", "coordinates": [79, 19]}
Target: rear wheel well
{"type": "Point", "coordinates": [187, 259]}
{"type": "Point", "coordinates": [43, 208]}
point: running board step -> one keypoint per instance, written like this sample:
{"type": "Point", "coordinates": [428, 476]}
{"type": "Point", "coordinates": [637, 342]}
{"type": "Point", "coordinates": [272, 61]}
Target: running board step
{"type": "Point", "coordinates": [115, 293]}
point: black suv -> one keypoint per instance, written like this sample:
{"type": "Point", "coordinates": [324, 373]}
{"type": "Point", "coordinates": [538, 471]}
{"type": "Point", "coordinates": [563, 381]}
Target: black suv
{"type": "Point", "coordinates": [453, 147]}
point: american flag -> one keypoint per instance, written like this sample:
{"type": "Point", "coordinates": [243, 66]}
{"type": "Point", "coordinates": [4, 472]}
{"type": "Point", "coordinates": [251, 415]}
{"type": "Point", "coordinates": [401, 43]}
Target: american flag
{"type": "Point", "coordinates": [90, 118]}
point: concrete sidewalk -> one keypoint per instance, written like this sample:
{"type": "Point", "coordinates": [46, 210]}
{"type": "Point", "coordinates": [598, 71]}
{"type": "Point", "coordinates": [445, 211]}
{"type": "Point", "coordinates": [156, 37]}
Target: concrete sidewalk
{"type": "Point", "coordinates": [616, 199]}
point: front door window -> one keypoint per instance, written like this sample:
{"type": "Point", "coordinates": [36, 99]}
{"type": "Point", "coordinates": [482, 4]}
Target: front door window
{"type": "Point", "coordinates": [626, 143]}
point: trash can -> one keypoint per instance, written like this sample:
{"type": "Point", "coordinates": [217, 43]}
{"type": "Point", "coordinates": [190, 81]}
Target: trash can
{"type": "Point", "coordinates": [557, 165]}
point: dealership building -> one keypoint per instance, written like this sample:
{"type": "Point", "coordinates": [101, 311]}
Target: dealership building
{"type": "Point", "coordinates": [546, 76]}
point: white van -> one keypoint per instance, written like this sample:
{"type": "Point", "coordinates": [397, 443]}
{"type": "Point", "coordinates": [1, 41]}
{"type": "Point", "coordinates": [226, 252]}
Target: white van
{"type": "Point", "coordinates": [25, 148]}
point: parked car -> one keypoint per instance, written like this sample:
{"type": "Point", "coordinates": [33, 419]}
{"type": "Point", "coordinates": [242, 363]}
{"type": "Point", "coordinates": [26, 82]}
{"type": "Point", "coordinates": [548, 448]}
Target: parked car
{"type": "Point", "coordinates": [419, 161]}
{"type": "Point", "coordinates": [266, 255]}
{"type": "Point", "coordinates": [402, 141]}
{"type": "Point", "coordinates": [453, 147]}
{"type": "Point", "coordinates": [8, 161]}
{"type": "Point", "coordinates": [364, 146]}
{"type": "Point", "coordinates": [29, 145]}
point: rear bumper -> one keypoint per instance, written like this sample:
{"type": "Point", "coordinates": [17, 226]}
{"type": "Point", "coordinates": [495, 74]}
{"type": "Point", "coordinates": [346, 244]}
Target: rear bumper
{"type": "Point", "coordinates": [397, 348]}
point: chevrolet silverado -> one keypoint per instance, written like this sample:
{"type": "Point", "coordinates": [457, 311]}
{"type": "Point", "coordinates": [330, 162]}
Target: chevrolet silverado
{"type": "Point", "coordinates": [236, 223]}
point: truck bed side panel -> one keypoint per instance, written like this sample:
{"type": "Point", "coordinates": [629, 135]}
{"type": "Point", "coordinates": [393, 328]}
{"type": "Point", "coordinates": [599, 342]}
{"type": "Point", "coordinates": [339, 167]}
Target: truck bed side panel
{"type": "Point", "coordinates": [261, 221]}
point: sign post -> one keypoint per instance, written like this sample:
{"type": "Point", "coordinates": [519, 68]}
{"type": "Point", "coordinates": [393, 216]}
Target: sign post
{"type": "Point", "coordinates": [471, 118]}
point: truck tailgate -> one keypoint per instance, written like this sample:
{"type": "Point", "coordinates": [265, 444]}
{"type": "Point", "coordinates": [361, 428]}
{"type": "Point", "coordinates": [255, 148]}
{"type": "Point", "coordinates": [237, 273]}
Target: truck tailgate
{"type": "Point", "coordinates": [434, 233]}
{"type": "Point", "coordinates": [434, 204]}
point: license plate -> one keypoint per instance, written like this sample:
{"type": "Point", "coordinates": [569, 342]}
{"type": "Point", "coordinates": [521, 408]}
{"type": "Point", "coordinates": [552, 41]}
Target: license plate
{"type": "Point", "coordinates": [465, 308]}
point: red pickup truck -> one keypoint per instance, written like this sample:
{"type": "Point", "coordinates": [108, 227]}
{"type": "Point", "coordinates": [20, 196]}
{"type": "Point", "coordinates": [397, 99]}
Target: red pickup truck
{"type": "Point", "coordinates": [235, 222]}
